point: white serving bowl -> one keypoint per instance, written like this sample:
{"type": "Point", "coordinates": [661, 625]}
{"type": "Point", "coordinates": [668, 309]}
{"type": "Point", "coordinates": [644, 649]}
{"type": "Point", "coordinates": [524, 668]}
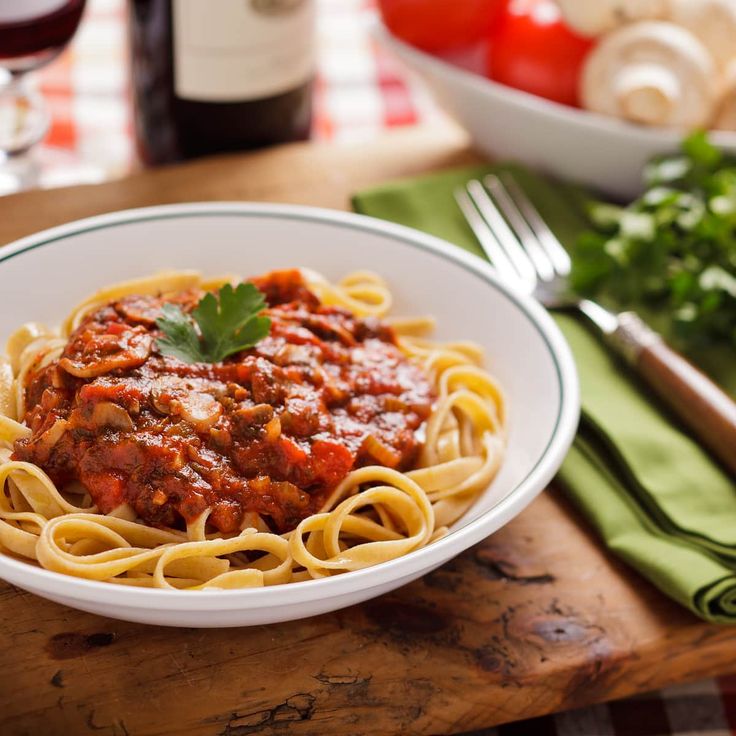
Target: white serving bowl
{"type": "Point", "coordinates": [602, 152]}
{"type": "Point", "coordinates": [43, 276]}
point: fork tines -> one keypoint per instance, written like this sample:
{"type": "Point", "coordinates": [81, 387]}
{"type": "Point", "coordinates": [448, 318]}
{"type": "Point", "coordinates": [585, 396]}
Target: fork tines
{"type": "Point", "coordinates": [511, 231]}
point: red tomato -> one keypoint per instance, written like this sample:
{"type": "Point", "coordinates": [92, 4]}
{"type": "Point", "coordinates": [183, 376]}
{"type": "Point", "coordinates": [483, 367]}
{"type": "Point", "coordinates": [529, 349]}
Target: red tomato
{"type": "Point", "coordinates": [533, 50]}
{"type": "Point", "coordinates": [438, 25]}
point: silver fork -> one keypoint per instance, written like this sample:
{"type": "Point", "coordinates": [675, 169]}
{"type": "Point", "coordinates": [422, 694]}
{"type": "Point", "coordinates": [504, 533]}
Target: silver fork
{"type": "Point", "coordinates": [526, 253]}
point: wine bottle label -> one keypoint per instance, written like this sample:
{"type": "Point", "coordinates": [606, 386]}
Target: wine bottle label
{"type": "Point", "coordinates": [15, 11]}
{"type": "Point", "coordinates": [239, 50]}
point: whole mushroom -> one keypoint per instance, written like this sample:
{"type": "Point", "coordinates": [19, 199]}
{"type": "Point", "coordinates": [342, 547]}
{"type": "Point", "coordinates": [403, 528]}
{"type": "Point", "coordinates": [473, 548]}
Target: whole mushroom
{"type": "Point", "coordinates": [651, 72]}
{"type": "Point", "coordinates": [712, 21]}
{"type": "Point", "coordinates": [726, 115]}
{"type": "Point", "coordinates": [595, 17]}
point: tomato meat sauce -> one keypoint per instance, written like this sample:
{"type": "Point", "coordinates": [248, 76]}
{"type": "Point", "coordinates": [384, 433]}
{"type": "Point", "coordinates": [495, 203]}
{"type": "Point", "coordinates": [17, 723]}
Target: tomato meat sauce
{"type": "Point", "coordinates": [270, 431]}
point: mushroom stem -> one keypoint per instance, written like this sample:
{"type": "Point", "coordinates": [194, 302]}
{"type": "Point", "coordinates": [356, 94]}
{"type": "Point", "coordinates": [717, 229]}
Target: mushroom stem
{"type": "Point", "coordinates": [647, 93]}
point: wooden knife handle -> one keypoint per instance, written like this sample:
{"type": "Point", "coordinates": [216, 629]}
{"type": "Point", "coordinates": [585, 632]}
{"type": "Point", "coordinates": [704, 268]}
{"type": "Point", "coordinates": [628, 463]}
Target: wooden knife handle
{"type": "Point", "coordinates": [698, 402]}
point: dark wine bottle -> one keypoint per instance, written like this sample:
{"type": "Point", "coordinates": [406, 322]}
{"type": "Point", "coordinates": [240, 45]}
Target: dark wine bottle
{"type": "Point", "coordinates": [220, 76]}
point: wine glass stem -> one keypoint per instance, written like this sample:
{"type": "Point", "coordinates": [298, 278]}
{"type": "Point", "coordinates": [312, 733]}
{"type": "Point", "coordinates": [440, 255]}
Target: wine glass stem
{"type": "Point", "coordinates": [24, 118]}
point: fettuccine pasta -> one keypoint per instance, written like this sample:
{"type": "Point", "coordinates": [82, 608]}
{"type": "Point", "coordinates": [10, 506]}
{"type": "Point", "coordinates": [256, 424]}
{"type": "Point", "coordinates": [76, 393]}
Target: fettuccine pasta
{"type": "Point", "coordinates": [87, 411]}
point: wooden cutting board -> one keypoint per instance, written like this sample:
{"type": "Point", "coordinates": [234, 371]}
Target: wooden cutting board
{"type": "Point", "coordinates": [536, 619]}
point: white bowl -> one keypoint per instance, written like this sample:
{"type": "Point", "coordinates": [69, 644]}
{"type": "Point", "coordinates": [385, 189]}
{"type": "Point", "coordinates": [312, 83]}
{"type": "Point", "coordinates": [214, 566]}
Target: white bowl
{"type": "Point", "coordinates": [602, 152]}
{"type": "Point", "coordinates": [43, 276]}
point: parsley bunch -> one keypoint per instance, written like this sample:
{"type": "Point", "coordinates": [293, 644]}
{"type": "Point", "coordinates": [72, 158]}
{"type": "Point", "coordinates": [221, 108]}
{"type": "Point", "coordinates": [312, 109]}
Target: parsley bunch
{"type": "Point", "coordinates": [217, 327]}
{"type": "Point", "coordinates": [673, 249]}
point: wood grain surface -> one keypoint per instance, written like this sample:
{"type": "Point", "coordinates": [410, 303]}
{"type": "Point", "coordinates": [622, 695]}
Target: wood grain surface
{"type": "Point", "coordinates": [536, 619]}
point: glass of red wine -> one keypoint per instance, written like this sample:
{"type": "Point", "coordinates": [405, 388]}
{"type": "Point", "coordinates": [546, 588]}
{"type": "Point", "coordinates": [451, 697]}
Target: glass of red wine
{"type": "Point", "coordinates": [32, 33]}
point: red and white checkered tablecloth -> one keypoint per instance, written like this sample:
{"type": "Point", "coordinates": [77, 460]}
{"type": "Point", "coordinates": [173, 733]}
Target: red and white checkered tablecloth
{"type": "Point", "coordinates": [360, 91]}
{"type": "Point", "coordinates": [705, 708]}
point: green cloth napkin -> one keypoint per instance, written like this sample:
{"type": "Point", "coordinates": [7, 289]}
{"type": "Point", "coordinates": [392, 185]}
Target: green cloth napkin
{"type": "Point", "coordinates": [651, 492]}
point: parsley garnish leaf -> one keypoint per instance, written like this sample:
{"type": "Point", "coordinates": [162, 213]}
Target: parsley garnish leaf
{"type": "Point", "coordinates": [217, 327]}
{"type": "Point", "coordinates": [180, 339]}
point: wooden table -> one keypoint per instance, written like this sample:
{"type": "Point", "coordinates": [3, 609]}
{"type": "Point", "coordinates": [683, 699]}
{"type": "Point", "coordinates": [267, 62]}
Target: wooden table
{"type": "Point", "coordinates": [536, 619]}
